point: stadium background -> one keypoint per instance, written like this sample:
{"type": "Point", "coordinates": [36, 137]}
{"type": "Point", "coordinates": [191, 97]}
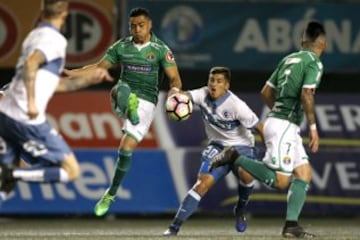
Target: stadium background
{"type": "Point", "coordinates": [248, 36]}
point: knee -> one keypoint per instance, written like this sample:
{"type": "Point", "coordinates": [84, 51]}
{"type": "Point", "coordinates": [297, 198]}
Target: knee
{"type": "Point", "coordinates": [71, 166]}
{"type": "Point", "coordinates": [203, 185]}
{"type": "Point", "coordinates": [245, 177]}
{"type": "Point", "coordinates": [74, 172]}
{"type": "Point", "coordinates": [303, 172]}
{"type": "Point", "coordinates": [201, 189]}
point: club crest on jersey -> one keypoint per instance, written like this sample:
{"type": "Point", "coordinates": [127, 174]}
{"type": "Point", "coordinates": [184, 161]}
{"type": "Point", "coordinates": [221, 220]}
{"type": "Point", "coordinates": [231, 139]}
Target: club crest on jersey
{"type": "Point", "coordinates": [286, 160]}
{"type": "Point", "coordinates": [226, 114]}
{"type": "Point", "coordinates": [150, 56]}
{"type": "Point", "coordinates": [170, 58]}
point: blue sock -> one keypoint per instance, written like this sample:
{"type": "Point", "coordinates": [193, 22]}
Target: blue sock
{"type": "Point", "coordinates": [187, 208]}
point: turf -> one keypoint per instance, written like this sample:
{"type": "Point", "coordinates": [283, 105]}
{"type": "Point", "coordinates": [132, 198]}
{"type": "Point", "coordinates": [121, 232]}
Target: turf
{"type": "Point", "coordinates": [196, 228]}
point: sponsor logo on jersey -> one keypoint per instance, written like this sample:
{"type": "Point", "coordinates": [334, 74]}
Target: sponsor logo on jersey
{"type": "Point", "coordinates": [138, 68]}
{"type": "Point", "coordinates": [170, 58]}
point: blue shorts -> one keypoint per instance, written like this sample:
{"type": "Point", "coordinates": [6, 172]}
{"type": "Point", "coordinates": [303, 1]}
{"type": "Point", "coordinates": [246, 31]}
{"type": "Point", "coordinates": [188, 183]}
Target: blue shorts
{"type": "Point", "coordinates": [212, 150]}
{"type": "Point", "coordinates": [35, 144]}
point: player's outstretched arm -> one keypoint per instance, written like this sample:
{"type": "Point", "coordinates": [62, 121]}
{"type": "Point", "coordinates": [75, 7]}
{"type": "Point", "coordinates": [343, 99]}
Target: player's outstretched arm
{"type": "Point", "coordinates": [175, 83]}
{"type": "Point", "coordinates": [83, 79]}
{"type": "Point", "coordinates": [103, 63]}
{"type": "Point", "coordinates": [31, 66]}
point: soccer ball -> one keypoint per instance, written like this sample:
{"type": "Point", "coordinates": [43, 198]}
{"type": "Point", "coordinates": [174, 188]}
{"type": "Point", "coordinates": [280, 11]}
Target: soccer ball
{"type": "Point", "coordinates": [178, 107]}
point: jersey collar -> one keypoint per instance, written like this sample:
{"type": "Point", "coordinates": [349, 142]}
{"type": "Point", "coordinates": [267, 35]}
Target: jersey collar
{"type": "Point", "coordinates": [215, 103]}
{"type": "Point", "coordinates": [46, 24]}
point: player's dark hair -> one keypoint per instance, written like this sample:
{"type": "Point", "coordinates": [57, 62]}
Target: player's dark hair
{"type": "Point", "coordinates": [221, 70]}
{"type": "Point", "coordinates": [52, 8]}
{"type": "Point", "coordinates": [139, 11]}
{"type": "Point", "coordinates": [313, 30]}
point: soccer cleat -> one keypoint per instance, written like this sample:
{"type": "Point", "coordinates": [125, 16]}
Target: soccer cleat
{"type": "Point", "coordinates": [226, 156]}
{"type": "Point", "coordinates": [132, 107]}
{"type": "Point", "coordinates": [240, 219]}
{"type": "Point", "coordinates": [296, 232]}
{"type": "Point", "coordinates": [103, 205]}
{"type": "Point", "coordinates": [171, 231]}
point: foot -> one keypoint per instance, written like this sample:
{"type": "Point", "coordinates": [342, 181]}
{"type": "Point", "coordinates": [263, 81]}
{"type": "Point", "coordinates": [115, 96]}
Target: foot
{"type": "Point", "coordinates": [132, 107]}
{"type": "Point", "coordinates": [296, 232]}
{"type": "Point", "coordinates": [103, 205]}
{"type": "Point", "coordinates": [171, 231]}
{"type": "Point", "coordinates": [226, 156]}
{"type": "Point", "coordinates": [240, 222]}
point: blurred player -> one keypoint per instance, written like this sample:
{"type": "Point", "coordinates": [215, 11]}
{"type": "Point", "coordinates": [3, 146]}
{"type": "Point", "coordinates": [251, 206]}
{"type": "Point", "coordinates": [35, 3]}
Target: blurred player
{"type": "Point", "coordinates": [288, 93]}
{"type": "Point", "coordinates": [24, 132]}
{"type": "Point", "coordinates": [227, 121]}
{"type": "Point", "coordinates": [143, 58]}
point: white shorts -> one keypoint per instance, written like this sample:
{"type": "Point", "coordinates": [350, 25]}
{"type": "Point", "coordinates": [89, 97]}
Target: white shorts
{"type": "Point", "coordinates": [146, 112]}
{"type": "Point", "coordinates": [284, 148]}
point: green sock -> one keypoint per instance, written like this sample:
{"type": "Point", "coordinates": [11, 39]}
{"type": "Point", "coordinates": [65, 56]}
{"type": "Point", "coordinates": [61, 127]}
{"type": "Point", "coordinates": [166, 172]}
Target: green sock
{"type": "Point", "coordinates": [122, 97]}
{"type": "Point", "coordinates": [258, 170]}
{"type": "Point", "coordinates": [122, 167]}
{"type": "Point", "coordinates": [296, 198]}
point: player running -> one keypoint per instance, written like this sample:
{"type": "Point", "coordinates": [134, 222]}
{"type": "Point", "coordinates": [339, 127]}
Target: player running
{"type": "Point", "coordinates": [288, 93]}
{"type": "Point", "coordinates": [227, 121]}
{"type": "Point", "coordinates": [24, 131]}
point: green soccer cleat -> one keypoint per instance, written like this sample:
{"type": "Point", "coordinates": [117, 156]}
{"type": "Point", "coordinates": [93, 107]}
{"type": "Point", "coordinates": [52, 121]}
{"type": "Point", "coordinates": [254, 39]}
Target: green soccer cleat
{"type": "Point", "coordinates": [132, 107]}
{"type": "Point", "coordinates": [103, 205]}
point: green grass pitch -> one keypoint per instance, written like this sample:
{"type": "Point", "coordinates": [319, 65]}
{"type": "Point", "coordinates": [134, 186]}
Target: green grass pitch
{"type": "Point", "coordinates": [151, 228]}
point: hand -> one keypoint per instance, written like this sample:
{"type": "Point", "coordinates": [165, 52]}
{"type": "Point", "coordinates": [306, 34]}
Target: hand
{"type": "Point", "coordinates": [172, 91]}
{"type": "Point", "coordinates": [314, 140]}
{"type": "Point", "coordinates": [99, 74]}
{"type": "Point", "coordinates": [32, 111]}
{"type": "Point", "coordinates": [67, 72]}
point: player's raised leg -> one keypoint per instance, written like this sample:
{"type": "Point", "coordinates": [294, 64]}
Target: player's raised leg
{"type": "Point", "coordinates": [125, 103]}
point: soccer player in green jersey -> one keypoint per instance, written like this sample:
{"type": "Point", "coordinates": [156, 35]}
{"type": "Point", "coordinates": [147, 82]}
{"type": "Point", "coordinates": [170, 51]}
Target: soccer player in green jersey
{"type": "Point", "coordinates": [143, 58]}
{"type": "Point", "coordinates": [289, 93]}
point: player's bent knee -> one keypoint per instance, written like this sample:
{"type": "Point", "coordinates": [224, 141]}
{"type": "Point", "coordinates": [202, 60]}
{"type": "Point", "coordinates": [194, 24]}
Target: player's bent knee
{"type": "Point", "coordinates": [71, 166]}
{"type": "Point", "coordinates": [303, 172]}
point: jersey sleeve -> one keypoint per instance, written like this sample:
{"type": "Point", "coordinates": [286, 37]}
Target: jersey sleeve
{"type": "Point", "coordinates": [167, 58]}
{"type": "Point", "coordinates": [272, 81]}
{"type": "Point", "coordinates": [112, 53]}
{"type": "Point", "coordinates": [245, 115]}
{"type": "Point", "coordinates": [52, 45]}
{"type": "Point", "coordinates": [197, 95]}
{"type": "Point", "coordinates": [312, 75]}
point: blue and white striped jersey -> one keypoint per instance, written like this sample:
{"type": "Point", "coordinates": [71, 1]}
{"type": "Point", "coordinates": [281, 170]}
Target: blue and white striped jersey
{"type": "Point", "coordinates": [52, 44]}
{"type": "Point", "coordinates": [227, 120]}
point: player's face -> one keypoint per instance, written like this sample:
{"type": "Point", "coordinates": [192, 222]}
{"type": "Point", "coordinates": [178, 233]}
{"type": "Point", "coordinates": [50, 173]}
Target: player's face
{"type": "Point", "coordinates": [140, 28]}
{"type": "Point", "coordinates": [217, 85]}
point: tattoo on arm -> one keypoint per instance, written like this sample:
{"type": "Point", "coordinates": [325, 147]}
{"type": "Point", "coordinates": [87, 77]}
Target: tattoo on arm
{"type": "Point", "coordinates": [308, 101]}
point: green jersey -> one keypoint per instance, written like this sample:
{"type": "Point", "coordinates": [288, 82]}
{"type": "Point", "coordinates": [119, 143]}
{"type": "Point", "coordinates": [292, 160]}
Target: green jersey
{"type": "Point", "coordinates": [141, 66]}
{"type": "Point", "coordinates": [298, 70]}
